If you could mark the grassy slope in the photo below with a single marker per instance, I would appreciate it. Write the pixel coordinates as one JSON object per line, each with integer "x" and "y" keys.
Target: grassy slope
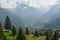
{"x": 8, "y": 37}
{"x": 29, "y": 37}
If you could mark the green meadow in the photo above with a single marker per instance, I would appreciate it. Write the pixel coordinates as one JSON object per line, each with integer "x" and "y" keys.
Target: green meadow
{"x": 28, "y": 37}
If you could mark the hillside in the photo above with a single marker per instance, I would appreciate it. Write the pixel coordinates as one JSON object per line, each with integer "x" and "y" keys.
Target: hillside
{"x": 14, "y": 19}
{"x": 53, "y": 24}
{"x": 52, "y": 17}
{"x": 52, "y": 14}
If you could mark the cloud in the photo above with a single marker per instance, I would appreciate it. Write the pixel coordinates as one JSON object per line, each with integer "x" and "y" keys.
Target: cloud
{"x": 41, "y": 3}
{"x": 58, "y": 2}
{"x": 8, "y": 4}
{"x": 44, "y": 4}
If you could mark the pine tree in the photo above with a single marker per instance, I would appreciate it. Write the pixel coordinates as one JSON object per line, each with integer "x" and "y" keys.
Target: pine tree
{"x": 7, "y": 24}
{"x": 20, "y": 35}
{"x": 49, "y": 35}
{"x": 36, "y": 33}
{"x": 13, "y": 31}
{"x": 2, "y": 37}
{"x": 55, "y": 36}
{"x": 27, "y": 31}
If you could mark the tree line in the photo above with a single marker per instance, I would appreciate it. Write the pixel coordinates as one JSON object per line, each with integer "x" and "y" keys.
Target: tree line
{"x": 20, "y": 34}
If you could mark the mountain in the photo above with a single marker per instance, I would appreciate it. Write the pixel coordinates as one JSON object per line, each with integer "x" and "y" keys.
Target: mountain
{"x": 52, "y": 17}
{"x": 52, "y": 14}
{"x": 14, "y": 19}
{"x": 28, "y": 14}
{"x": 53, "y": 24}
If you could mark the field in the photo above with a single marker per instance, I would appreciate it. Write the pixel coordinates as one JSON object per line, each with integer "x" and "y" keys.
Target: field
{"x": 29, "y": 37}
{"x": 9, "y": 37}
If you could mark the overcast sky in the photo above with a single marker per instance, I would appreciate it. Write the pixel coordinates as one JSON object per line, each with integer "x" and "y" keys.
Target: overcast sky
{"x": 11, "y": 4}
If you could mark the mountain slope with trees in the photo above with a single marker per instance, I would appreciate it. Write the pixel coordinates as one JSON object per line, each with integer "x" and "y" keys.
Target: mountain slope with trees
{"x": 14, "y": 19}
